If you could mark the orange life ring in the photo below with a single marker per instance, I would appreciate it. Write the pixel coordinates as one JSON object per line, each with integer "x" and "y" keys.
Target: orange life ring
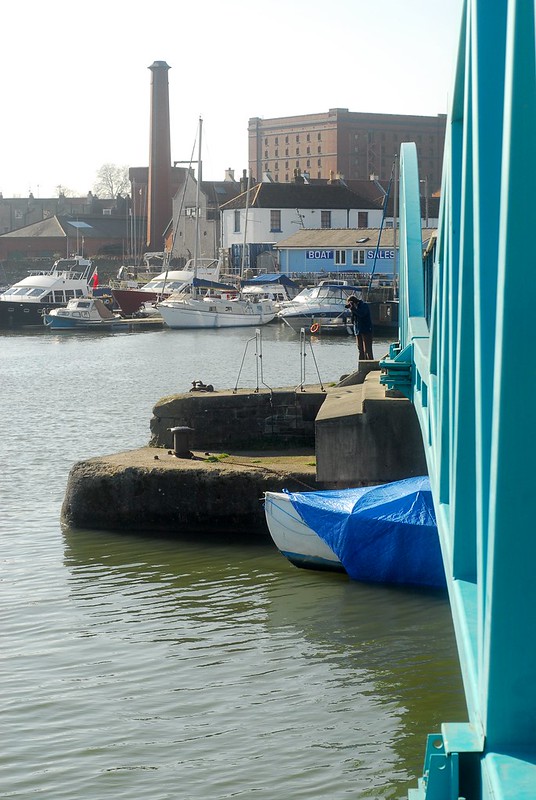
{"x": 315, "y": 327}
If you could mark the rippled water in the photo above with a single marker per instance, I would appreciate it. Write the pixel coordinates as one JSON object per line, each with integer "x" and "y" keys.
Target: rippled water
{"x": 146, "y": 667}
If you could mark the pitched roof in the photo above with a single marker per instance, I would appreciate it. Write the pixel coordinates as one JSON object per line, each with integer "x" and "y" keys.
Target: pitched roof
{"x": 342, "y": 238}
{"x": 220, "y": 192}
{"x": 98, "y": 227}
{"x": 302, "y": 195}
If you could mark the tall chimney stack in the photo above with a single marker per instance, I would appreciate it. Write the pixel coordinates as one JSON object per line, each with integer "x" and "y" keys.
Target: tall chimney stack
{"x": 159, "y": 208}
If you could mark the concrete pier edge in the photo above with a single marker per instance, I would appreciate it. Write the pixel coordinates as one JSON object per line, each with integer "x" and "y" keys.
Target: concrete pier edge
{"x": 349, "y": 435}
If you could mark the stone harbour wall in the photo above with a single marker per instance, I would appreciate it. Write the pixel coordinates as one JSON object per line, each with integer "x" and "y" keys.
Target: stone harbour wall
{"x": 138, "y": 491}
{"x": 244, "y": 419}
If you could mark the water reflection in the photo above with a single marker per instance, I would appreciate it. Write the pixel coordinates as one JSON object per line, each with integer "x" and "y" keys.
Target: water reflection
{"x": 305, "y": 676}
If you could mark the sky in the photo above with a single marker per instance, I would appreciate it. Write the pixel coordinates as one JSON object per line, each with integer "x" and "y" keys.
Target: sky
{"x": 76, "y": 83}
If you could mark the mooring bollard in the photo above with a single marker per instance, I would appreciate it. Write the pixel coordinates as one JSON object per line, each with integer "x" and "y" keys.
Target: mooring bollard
{"x": 181, "y": 441}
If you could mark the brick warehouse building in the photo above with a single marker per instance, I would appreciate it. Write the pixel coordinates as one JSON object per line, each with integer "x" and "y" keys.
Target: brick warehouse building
{"x": 341, "y": 142}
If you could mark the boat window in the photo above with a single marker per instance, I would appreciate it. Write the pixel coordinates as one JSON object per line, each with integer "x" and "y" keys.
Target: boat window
{"x": 84, "y": 304}
{"x": 63, "y": 313}
{"x": 47, "y": 298}
{"x": 78, "y": 292}
{"x": 58, "y": 297}
{"x": 85, "y": 313}
{"x": 35, "y": 292}
{"x": 69, "y": 293}
{"x": 76, "y": 314}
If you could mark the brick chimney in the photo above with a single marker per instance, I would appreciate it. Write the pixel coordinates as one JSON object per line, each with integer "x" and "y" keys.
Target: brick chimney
{"x": 159, "y": 204}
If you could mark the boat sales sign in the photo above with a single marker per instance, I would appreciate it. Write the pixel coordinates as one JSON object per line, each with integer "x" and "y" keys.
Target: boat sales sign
{"x": 382, "y": 254}
{"x": 319, "y": 255}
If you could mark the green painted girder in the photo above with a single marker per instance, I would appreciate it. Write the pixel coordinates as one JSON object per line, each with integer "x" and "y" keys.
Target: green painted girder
{"x": 467, "y": 364}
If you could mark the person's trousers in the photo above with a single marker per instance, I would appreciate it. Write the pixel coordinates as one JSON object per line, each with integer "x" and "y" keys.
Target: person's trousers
{"x": 364, "y": 344}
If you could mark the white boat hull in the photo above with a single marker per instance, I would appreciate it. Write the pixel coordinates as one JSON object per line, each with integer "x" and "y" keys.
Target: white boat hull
{"x": 294, "y": 539}
{"x": 193, "y": 313}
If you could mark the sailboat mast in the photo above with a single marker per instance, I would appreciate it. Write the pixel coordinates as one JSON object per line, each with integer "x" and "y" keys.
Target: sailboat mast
{"x": 244, "y": 245}
{"x": 197, "y": 195}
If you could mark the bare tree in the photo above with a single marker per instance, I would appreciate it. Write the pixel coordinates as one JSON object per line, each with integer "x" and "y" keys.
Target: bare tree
{"x": 63, "y": 191}
{"x": 111, "y": 181}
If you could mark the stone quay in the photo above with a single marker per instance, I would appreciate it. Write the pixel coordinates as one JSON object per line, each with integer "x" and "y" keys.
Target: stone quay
{"x": 236, "y": 445}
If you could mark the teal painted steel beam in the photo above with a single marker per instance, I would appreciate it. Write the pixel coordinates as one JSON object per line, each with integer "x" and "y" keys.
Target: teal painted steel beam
{"x": 467, "y": 365}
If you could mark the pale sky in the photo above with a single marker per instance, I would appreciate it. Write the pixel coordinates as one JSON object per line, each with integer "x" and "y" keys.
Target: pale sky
{"x": 76, "y": 83}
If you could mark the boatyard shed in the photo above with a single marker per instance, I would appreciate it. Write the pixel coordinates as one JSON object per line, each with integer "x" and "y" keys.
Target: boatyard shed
{"x": 65, "y": 235}
{"x": 362, "y": 250}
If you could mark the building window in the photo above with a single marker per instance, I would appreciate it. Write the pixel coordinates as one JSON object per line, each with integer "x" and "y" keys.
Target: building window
{"x": 286, "y": 177}
{"x": 286, "y": 151}
{"x": 276, "y": 153}
{"x": 286, "y": 164}
{"x": 277, "y": 140}
{"x": 298, "y": 138}
{"x": 308, "y": 162}
{"x": 340, "y": 258}
{"x": 358, "y": 258}
{"x": 319, "y": 162}
{"x": 325, "y": 219}
{"x": 266, "y": 167}
{"x": 308, "y": 150}
{"x": 318, "y": 149}
{"x": 297, "y": 164}
{"x": 318, "y": 174}
{"x": 266, "y": 153}
{"x": 286, "y": 139}
{"x": 297, "y": 151}
{"x": 319, "y": 137}
{"x": 308, "y": 137}
{"x": 266, "y": 141}
{"x": 237, "y": 220}
{"x": 275, "y": 220}
{"x": 362, "y": 219}
{"x": 276, "y": 166}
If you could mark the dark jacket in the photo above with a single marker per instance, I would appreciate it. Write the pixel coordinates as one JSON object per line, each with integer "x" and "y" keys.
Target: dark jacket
{"x": 361, "y": 320}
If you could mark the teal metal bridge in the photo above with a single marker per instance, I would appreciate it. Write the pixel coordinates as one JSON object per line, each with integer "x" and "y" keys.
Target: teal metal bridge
{"x": 465, "y": 358}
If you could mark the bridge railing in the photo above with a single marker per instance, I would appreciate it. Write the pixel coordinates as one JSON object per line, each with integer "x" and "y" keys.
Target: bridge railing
{"x": 465, "y": 358}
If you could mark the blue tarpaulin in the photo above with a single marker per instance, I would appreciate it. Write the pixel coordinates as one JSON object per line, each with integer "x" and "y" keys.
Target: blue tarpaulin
{"x": 384, "y": 534}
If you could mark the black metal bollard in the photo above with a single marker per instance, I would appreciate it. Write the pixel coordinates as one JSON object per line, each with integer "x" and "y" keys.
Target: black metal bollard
{"x": 181, "y": 441}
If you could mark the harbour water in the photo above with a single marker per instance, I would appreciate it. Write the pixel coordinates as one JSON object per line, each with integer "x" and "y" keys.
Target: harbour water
{"x": 139, "y": 666}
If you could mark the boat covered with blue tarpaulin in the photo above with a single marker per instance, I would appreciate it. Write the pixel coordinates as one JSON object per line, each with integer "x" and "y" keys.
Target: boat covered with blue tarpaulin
{"x": 383, "y": 534}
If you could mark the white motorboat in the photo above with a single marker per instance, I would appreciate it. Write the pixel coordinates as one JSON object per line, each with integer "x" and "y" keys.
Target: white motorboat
{"x": 378, "y": 534}
{"x": 130, "y": 300}
{"x": 318, "y": 305}
{"x": 278, "y": 288}
{"x": 221, "y": 307}
{"x": 87, "y": 313}
{"x": 23, "y": 304}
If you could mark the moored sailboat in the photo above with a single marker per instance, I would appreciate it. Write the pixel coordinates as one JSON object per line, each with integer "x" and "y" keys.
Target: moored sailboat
{"x": 222, "y": 306}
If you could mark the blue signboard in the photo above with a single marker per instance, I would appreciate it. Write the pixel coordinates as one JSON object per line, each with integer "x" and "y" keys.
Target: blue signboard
{"x": 319, "y": 255}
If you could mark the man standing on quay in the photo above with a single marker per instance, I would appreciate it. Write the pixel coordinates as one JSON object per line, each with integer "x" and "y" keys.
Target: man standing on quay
{"x": 362, "y": 325}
